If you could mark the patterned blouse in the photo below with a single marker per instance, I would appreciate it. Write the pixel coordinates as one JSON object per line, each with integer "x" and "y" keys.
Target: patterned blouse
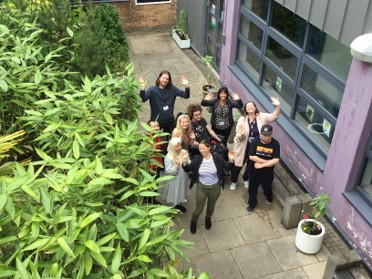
{"x": 222, "y": 117}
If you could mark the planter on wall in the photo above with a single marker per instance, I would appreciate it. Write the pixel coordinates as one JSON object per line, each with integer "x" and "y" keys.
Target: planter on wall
{"x": 181, "y": 43}
{"x": 307, "y": 243}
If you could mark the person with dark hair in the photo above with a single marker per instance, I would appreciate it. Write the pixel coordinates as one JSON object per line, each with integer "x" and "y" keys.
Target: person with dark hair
{"x": 207, "y": 172}
{"x": 247, "y": 129}
{"x": 264, "y": 153}
{"x": 222, "y": 119}
{"x": 162, "y": 97}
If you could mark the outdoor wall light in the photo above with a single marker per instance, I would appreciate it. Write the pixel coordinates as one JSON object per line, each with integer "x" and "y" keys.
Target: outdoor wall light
{"x": 361, "y": 48}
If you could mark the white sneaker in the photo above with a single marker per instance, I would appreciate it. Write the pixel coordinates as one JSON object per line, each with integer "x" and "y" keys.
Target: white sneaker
{"x": 246, "y": 184}
{"x": 233, "y": 186}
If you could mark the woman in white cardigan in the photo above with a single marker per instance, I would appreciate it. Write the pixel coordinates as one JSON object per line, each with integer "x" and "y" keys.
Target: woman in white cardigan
{"x": 248, "y": 128}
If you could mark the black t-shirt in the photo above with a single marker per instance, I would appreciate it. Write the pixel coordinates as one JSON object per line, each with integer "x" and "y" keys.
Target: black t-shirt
{"x": 200, "y": 129}
{"x": 267, "y": 151}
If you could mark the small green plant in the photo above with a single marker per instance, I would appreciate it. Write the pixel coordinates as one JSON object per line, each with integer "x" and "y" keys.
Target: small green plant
{"x": 181, "y": 27}
{"x": 207, "y": 60}
{"x": 319, "y": 205}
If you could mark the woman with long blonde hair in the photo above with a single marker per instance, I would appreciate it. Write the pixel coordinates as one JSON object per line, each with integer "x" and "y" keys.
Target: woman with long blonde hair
{"x": 184, "y": 131}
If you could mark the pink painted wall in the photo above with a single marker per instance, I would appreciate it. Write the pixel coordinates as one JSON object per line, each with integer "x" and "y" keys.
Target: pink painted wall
{"x": 352, "y": 131}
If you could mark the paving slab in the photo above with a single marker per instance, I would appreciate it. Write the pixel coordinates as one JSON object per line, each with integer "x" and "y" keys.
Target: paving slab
{"x": 296, "y": 273}
{"x": 220, "y": 265}
{"x": 315, "y": 271}
{"x": 255, "y": 260}
{"x": 287, "y": 255}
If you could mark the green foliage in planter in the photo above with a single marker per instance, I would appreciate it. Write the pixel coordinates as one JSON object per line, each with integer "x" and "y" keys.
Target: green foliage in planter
{"x": 181, "y": 26}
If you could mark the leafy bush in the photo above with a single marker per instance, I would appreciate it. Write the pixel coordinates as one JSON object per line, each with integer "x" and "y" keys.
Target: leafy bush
{"x": 77, "y": 210}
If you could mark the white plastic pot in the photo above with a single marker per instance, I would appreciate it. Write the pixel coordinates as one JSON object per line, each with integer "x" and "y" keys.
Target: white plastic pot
{"x": 306, "y": 243}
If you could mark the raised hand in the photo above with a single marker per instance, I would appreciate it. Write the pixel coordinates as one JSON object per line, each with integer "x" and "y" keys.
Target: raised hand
{"x": 209, "y": 96}
{"x": 275, "y": 101}
{"x": 235, "y": 96}
{"x": 184, "y": 81}
{"x": 142, "y": 82}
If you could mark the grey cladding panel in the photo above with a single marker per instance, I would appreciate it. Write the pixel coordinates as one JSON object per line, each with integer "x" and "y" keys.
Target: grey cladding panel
{"x": 367, "y": 28}
{"x": 318, "y": 12}
{"x": 352, "y": 28}
{"x": 290, "y": 4}
{"x": 303, "y": 9}
{"x": 333, "y": 23}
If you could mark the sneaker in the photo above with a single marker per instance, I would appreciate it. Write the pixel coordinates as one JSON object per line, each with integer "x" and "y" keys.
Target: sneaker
{"x": 250, "y": 208}
{"x": 233, "y": 186}
{"x": 181, "y": 208}
{"x": 269, "y": 201}
{"x": 246, "y": 184}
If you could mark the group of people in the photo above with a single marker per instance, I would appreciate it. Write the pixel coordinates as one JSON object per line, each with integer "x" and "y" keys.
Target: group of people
{"x": 196, "y": 148}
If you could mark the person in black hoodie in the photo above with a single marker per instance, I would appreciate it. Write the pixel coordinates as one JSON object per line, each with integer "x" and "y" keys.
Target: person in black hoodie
{"x": 207, "y": 172}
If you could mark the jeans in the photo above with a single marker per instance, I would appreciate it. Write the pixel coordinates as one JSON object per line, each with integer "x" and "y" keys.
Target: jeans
{"x": 204, "y": 193}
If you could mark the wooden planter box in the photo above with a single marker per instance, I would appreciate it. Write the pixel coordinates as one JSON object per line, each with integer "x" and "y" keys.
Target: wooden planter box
{"x": 181, "y": 43}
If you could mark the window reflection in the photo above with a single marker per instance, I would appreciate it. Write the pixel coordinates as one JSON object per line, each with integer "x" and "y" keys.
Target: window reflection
{"x": 249, "y": 60}
{"x": 274, "y": 85}
{"x": 328, "y": 51}
{"x": 251, "y": 32}
{"x": 259, "y": 7}
{"x": 321, "y": 90}
{"x": 315, "y": 125}
{"x": 289, "y": 24}
{"x": 366, "y": 182}
{"x": 280, "y": 56}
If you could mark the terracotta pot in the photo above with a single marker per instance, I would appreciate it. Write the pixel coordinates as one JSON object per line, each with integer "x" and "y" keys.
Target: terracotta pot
{"x": 307, "y": 243}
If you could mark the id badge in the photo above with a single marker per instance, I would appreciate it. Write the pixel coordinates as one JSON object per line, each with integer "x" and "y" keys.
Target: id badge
{"x": 165, "y": 108}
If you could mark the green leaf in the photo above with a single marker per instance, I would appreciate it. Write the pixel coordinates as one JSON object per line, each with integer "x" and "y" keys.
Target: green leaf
{"x": 89, "y": 219}
{"x": 159, "y": 209}
{"x": 92, "y": 246}
{"x": 144, "y": 238}
{"x": 7, "y": 239}
{"x": 76, "y": 149}
{"x": 3, "y": 85}
{"x": 22, "y": 270}
{"x": 36, "y": 244}
{"x": 116, "y": 259}
{"x": 123, "y": 231}
{"x": 65, "y": 246}
{"x": 100, "y": 259}
{"x": 69, "y": 32}
{"x": 88, "y": 260}
{"x": 144, "y": 258}
{"x": 3, "y": 198}
{"x": 37, "y": 77}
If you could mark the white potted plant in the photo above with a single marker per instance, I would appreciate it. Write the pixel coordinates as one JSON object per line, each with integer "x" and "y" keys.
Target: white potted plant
{"x": 310, "y": 231}
{"x": 179, "y": 31}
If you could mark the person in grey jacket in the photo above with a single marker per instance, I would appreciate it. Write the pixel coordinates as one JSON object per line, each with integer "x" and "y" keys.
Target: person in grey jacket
{"x": 222, "y": 119}
{"x": 162, "y": 97}
{"x": 207, "y": 172}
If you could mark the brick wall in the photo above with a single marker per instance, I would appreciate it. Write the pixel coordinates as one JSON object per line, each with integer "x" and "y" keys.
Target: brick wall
{"x": 146, "y": 17}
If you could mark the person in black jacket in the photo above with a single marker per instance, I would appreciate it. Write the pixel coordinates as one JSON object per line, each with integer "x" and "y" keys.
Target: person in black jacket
{"x": 162, "y": 97}
{"x": 207, "y": 172}
{"x": 222, "y": 119}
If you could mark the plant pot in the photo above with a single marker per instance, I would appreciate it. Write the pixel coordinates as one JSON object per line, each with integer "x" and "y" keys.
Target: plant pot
{"x": 181, "y": 43}
{"x": 307, "y": 243}
{"x": 208, "y": 88}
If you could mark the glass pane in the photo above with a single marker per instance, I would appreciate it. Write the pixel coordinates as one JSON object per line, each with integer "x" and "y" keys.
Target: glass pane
{"x": 212, "y": 26}
{"x": 289, "y": 24}
{"x": 250, "y": 60}
{"x": 328, "y": 51}
{"x": 280, "y": 56}
{"x": 321, "y": 90}
{"x": 366, "y": 182}
{"x": 211, "y": 47}
{"x": 259, "y": 7}
{"x": 251, "y": 32}
{"x": 318, "y": 128}
{"x": 276, "y": 86}
{"x": 220, "y": 33}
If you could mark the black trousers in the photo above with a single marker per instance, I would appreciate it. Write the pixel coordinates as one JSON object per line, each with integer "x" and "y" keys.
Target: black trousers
{"x": 254, "y": 182}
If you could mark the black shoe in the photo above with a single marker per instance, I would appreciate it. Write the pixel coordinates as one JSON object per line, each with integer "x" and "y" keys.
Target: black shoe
{"x": 269, "y": 201}
{"x": 181, "y": 208}
{"x": 193, "y": 227}
{"x": 208, "y": 223}
{"x": 250, "y": 208}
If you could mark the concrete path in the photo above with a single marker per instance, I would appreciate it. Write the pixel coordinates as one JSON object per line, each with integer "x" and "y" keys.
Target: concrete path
{"x": 239, "y": 245}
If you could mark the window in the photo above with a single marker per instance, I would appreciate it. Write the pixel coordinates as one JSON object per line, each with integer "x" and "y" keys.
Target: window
{"x": 366, "y": 177}
{"x": 285, "y": 56}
